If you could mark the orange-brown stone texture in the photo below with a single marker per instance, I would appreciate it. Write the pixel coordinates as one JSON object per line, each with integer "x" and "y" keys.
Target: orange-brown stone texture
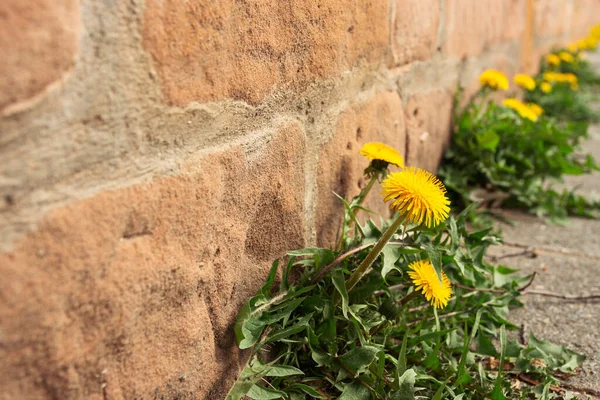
{"x": 428, "y": 119}
{"x": 158, "y": 155}
{"x": 134, "y": 291}
{"x": 39, "y": 41}
{"x": 414, "y": 30}
{"x": 210, "y": 50}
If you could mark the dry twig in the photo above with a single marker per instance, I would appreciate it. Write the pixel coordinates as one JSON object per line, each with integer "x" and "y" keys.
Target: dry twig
{"x": 561, "y": 296}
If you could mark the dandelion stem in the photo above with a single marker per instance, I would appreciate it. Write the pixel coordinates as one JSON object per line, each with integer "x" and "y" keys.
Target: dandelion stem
{"x": 484, "y": 96}
{"x": 367, "y": 189}
{"x": 408, "y": 297}
{"x": 373, "y": 254}
{"x": 347, "y": 221}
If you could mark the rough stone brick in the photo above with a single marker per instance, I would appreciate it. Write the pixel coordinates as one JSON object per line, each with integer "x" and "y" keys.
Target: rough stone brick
{"x": 473, "y": 25}
{"x": 414, "y": 30}
{"x": 379, "y": 119}
{"x": 428, "y": 119}
{"x": 547, "y": 11}
{"x": 39, "y": 43}
{"x": 469, "y": 26}
{"x": 132, "y": 293}
{"x": 515, "y": 19}
{"x": 208, "y": 50}
{"x": 585, "y": 14}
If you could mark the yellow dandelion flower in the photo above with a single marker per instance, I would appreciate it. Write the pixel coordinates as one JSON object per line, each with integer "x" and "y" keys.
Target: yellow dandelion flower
{"x": 572, "y": 79}
{"x": 595, "y": 31}
{"x": 525, "y": 81}
{"x": 427, "y": 281}
{"x": 588, "y": 43}
{"x": 535, "y": 108}
{"x": 417, "y": 195}
{"x": 493, "y": 79}
{"x": 553, "y": 59}
{"x": 521, "y": 108}
{"x": 561, "y": 77}
{"x": 572, "y": 47}
{"x": 382, "y": 152}
{"x": 566, "y": 57}
{"x": 546, "y": 87}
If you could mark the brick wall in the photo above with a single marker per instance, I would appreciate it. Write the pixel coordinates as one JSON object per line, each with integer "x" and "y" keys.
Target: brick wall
{"x": 157, "y": 155}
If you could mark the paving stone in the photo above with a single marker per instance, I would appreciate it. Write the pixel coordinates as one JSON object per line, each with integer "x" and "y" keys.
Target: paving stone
{"x": 565, "y": 259}
{"x": 571, "y": 323}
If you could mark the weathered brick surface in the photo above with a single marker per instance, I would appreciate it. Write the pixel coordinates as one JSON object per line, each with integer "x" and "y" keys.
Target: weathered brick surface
{"x": 585, "y": 14}
{"x": 428, "y": 118}
{"x": 379, "y": 119}
{"x": 470, "y": 25}
{"x": 414, "y": 30}
{"x": 548, "y": 10}
{"x": 515, "y": 14}
{"x": 132, "y": 293}
{"x": 473, "y": 25}
{"x": 115, "y": 289}
{"x": 209, "y": 50}
{"x": 38, "y": 40}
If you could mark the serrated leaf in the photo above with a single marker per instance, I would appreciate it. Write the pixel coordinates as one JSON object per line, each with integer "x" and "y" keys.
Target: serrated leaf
{"x": 402, "y": 356}
{"x": 317, "y": 257}
{"x": 266, "y": 288}
{"x": 248, "y": 327}
{"x": 291, "y": 330}
{"x": 555, "y": 356}
{"x": 355, "y": 391}
{"x": 485, "y": 346}
{"x": 243, "y": 315}
{"x": 321, "y": 357}
{"x": 462, "y": 375}
{"x": 380, "y": 367}
{"x": 453, "y": 230}
{"x": 328, "y": 329}
{"x": 504, "y": 275}
{"x": 257, "y": 392}
{"x": 479, "y": 235}
{"x": 285, "y": 284}
{"x": 283, "y": 370}
{"x": 282, "y": 311}
{"x": 349, "y": 212}
{"x": 391, "y": 254}
{"x": 438, "y": 394}
{"x": 497, "y": 392}
{"x": 339, "y": 282}
{"x": 432, "y": 361}
{"x": 406, "y": 386}
{"x": 488, "y": 140}
{"x": 546, "y": 392}
{"x": 248, "y": 377}
{"x": 409, "y": 250}
{"x": 435, "y": 257}
{"x": 359, "y": 358}
{"x": 429, "y": 336}
{"x": 309, "y": 390}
